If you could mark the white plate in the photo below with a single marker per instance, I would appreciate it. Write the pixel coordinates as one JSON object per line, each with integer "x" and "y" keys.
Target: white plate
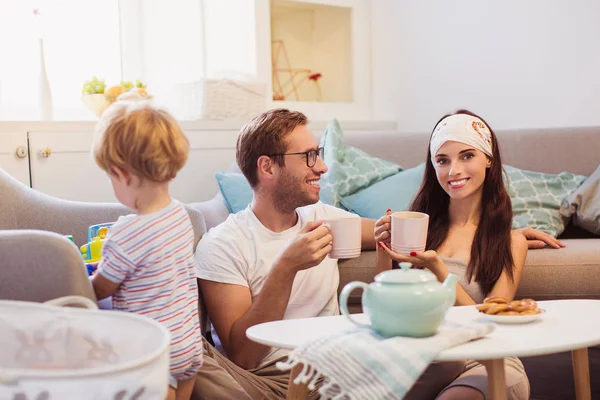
{"x": 512, "y": 319}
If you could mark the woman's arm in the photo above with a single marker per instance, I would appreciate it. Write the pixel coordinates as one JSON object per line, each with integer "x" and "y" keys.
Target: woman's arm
{"x": 381, "y": 234}
{"x": 505, "y": 287}
{"x": 384, "y": 262}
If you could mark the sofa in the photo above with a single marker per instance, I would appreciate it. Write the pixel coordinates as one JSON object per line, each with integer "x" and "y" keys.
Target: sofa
{"x": 571, "y": 272}
{"x": 38, "y": 264}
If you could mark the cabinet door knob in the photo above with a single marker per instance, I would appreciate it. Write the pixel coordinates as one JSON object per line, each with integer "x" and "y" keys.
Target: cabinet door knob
{"x": 21, "y": 152}
{"x": 45, "y": 152}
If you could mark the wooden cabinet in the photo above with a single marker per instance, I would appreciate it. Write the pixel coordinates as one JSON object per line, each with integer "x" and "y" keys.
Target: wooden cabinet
{"x": 14, "y": 154}
{"x": 62, "y": 166}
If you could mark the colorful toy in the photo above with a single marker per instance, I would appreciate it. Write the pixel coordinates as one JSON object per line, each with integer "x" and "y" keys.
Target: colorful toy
{"x": 97, "y": 230}
{"x": 92, "y": 250}
{"x": 91, "y": 269}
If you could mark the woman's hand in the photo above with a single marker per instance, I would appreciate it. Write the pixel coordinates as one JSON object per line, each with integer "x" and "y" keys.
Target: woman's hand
{"x": 538, "y": 239}
{"x": 426, "y": 259}
{"x": 383, "y": 229}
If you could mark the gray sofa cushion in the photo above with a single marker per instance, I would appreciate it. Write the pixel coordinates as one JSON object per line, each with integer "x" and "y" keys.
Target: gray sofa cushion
{"x": 214, "y": 210}
{"x": 41, "y": 266}
{"x": 571, "y": 272}
{"x": 25, "y": 208}
{"x": 583, "y": 204}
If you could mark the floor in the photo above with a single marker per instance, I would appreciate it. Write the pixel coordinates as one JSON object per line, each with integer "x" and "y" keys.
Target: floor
{"x": 551, "y": 377}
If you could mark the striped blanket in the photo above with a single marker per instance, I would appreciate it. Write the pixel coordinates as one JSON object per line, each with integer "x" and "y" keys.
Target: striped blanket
{"x": 360, "y": 364}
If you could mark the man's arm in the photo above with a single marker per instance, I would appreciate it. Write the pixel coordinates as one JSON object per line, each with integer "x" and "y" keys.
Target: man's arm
{"x": 367, "y": 235}
{"x": 232, "y": 310}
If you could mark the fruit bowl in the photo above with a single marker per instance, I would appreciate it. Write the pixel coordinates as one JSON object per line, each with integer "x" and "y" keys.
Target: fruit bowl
{"x": 96, "y": 103}
{"x": 96, "y": 96}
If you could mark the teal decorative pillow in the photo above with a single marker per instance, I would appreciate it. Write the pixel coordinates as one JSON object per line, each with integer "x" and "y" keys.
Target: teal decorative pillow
{"x": 394, "y": 192}
{"x": 235, "y": 189}
{"x": 537, "y": 197}
{"x": 350, "y": 169}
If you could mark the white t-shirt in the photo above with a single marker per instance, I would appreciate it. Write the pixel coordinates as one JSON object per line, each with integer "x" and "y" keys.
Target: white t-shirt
{"x": 241, "y": 251}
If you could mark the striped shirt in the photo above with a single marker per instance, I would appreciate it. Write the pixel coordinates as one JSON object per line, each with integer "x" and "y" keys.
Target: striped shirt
{"x": 151, "y": 257}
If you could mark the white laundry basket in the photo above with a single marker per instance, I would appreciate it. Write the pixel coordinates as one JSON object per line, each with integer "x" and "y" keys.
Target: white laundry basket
{"x": 51, "y": 353}
{"x": 219, "y": 99}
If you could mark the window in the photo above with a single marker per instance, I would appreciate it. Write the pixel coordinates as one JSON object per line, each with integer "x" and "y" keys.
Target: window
{"x": 158, "y": 41}
{"x": 80, "y": 39}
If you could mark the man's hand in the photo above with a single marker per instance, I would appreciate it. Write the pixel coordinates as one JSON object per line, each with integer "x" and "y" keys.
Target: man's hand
{"x": 309, "y": 247}
{"x": 538, "y": 240}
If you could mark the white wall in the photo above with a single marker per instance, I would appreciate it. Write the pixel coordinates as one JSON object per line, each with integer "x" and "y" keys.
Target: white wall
{"x": 517, "y": 63}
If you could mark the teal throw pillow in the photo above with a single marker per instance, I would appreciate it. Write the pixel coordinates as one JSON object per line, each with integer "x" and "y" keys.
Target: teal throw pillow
{"x": 394, "y": 192}
{"x": 537, "y": 197}
{"x": 235, "y": 190}
{"x": 350, "y": 169}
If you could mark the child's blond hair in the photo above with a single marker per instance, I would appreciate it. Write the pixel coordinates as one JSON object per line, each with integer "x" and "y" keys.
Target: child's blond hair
{"x": 141, "y": 139}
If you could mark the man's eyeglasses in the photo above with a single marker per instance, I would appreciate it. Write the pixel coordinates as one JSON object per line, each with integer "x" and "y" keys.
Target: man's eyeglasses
{"x": 311, "y": 156}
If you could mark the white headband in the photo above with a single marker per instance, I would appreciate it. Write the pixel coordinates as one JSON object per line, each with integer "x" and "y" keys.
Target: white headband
{"x": 462, "y": 128}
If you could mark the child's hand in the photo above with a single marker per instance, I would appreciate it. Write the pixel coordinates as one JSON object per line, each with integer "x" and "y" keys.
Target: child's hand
{"x": 92, "y": 267}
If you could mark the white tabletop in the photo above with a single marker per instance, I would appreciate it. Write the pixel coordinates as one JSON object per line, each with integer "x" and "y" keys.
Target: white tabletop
{"x": 566, "y": 325}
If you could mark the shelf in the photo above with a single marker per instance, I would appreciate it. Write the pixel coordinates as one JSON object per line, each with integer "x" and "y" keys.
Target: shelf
{"x": 311, "y": 50}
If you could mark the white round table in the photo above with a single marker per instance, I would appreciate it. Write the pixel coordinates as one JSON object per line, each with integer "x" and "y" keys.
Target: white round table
{"x": 567, "y": 325}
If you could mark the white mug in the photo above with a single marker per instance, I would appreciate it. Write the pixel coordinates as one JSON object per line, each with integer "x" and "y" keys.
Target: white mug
{"x": 346, "y": 233}
{"x": 409, "y": 231}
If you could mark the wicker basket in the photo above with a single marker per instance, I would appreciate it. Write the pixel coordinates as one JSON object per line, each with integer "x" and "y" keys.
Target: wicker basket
{"x": 221, "y": 99}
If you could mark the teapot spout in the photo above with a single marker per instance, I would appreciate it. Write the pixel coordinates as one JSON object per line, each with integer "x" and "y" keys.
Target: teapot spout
{"x": 450, "y": 284}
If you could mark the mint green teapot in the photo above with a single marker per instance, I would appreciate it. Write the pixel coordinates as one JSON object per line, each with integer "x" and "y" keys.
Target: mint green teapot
{"x": 403, "y": 302}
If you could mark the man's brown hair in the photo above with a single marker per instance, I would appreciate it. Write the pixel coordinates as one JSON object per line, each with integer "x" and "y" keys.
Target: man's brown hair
{"x": 265, "y": 136}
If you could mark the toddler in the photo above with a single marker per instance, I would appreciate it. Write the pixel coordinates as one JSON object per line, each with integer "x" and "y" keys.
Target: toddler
{"x": 147, "y": 261}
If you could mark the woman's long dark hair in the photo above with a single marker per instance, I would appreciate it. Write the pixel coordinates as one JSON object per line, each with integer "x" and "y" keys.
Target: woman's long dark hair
{"x": 491, "y": 248}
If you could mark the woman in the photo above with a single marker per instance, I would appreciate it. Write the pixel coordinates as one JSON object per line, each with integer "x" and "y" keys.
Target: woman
{"x": 469, "y": 233}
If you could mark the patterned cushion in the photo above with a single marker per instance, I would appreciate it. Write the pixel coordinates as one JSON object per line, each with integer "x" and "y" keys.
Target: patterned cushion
{"x": 350, "y": 169}
{"x": 537, "y": 197}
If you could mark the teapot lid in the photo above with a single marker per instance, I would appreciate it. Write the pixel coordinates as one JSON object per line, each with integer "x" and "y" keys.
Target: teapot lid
{"x": 405, "y": 275}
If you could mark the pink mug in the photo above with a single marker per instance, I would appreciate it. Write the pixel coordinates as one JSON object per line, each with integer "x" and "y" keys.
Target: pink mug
{"x": 409, "y": 231}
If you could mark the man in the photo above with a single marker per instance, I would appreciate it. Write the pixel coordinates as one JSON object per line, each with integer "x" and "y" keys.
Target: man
{"x": 269, "y": 262}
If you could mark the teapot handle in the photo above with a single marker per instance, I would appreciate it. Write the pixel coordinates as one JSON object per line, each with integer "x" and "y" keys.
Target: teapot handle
{"x": 344, "y": 301}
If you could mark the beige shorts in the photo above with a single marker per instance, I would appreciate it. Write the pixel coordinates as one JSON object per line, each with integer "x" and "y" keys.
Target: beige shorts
{"x": 220, "y": 379}
{"x": 475, "y": 376}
